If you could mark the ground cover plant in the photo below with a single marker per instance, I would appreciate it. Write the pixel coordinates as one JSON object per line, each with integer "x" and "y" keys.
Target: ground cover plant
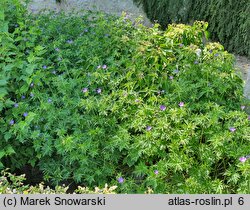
{"x": 96, "y": 99}
{"x": 13, "y": 184}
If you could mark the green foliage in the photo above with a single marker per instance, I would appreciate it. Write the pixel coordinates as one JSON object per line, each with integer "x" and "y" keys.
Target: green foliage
{"x": 166, "y": 11}
{"x": 12, "y": 18}
{"x": 96, "y": 99}
{"x": 13, "y": 184}
{"x": 229, "y": 21}
{"x": 15, "y": 68}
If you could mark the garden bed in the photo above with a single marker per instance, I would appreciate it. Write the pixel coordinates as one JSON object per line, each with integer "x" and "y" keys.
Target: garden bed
{"x": 95, "y": 99}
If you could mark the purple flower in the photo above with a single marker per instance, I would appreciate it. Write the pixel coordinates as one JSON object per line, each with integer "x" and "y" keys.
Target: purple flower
{"x": 181, "y": 45}
{"x": 57, "y": 49}
{"x": 181, "y": 104}
{"x": 86, "y": 30}
{"x": 242, "y": 159}
{"x": 104, "y": 66}
{"x": 210, "y": 51}
{"x": 16, "y": 105}
{"x": 12, "y": 122}
{"x": 44, "y": 67}
{"x": 242, "y": 107}
{"x": 25, "y": 114}
{"x": 149, "y": 128}
{"x": 85, "y": 90}
{"x": 49, "y": 100}
{"x": 137, "y": 100}
{"x": 196, "y": 62}
{"x": 176, "y": 71}
{"x": 232, "y": 129}
{"x": 171, "y": 77}
{"x": 23, "y": 97}
{"x": 216, "y": 55}
{"x": 156, "y": 172}
{"x": 69, "y": 41}
{"x": 99, "y": 90}
{"x": 120, "y": 180}
{"x": 162, "y": 107}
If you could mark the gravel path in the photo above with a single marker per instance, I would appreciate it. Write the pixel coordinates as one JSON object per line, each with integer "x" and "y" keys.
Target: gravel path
{"x": 243, "y": 65}
{"x": 117, "y": 7}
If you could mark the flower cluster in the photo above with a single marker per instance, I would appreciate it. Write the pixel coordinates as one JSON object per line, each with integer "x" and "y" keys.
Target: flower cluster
{"x": 85, "y": 90}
